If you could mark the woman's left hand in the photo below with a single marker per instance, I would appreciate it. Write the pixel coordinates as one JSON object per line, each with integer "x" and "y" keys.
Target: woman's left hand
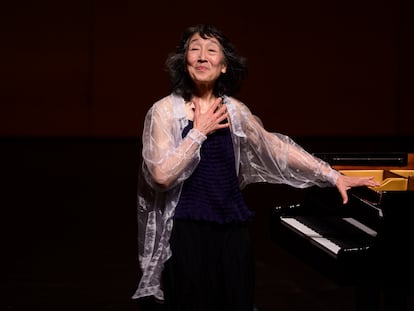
{"x": 345, "y": 183}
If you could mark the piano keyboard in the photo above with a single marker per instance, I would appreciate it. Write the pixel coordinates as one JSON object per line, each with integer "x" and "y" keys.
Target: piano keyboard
{"x": 331, "y": 235}
{"x": 310, "y": 233}
{"x": 361, "y": 226}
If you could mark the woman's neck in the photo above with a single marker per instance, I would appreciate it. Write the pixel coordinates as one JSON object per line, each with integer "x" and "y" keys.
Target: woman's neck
{"x": 204, "y": 101}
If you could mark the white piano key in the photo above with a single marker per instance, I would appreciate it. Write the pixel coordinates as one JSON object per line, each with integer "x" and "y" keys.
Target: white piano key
{"x": 360, "y": 226}
{"x": 334, "y": 248}
{"x": 300, "y": 226}
{"x": 322, "y": 242}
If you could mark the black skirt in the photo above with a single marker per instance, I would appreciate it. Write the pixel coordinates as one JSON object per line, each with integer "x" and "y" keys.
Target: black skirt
{"x": 211, "y": 268}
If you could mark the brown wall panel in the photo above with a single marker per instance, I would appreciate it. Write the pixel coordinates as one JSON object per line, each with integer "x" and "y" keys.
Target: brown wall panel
{"x": 93, "y": 68}
{"x": 405, "y": 107}
{"x": 131, "y": 44}
{"x": 324, "y": 68}
{"x": 44, "y": 68}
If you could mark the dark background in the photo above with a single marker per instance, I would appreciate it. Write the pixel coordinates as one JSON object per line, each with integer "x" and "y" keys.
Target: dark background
{"x": 76, "y": 78}
{"x": 317, "y": 68}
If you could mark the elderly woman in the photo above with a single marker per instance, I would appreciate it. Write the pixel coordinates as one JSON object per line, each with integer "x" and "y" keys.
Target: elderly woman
{"x": 201, "y": 147}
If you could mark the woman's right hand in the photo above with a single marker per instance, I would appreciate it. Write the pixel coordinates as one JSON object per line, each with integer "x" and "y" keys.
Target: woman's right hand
{"x": 211, "y": 120}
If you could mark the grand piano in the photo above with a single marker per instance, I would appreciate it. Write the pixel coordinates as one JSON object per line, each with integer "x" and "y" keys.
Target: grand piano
{"x": 367, "y": 243}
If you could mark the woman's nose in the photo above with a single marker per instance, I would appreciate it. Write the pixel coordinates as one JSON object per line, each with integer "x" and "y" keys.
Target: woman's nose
{"x": 201, "y": 57}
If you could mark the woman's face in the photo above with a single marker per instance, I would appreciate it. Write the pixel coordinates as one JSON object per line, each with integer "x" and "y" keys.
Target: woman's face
{"x": 205, "y": 60}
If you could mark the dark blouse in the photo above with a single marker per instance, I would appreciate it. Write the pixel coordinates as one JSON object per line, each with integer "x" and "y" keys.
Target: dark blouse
{"x": 212, "y": 192}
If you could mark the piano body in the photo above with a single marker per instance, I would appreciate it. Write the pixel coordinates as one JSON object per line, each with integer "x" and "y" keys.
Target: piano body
{"x": 367, "y": 243}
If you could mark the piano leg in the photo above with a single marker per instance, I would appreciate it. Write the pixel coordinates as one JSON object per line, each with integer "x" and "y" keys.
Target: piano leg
{"x": 370, "y": 296}
{"x": 395, "y": 298}
{"x": 367, "y": 296}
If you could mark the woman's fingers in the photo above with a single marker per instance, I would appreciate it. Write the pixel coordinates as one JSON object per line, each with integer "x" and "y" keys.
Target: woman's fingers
{"x": 211, "y": 120}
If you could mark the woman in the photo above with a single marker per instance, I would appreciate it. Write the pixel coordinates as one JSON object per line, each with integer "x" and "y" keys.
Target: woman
{"x": 201, "y": 146}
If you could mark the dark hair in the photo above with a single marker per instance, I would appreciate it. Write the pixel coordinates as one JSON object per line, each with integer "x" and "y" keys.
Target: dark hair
{"x": 227, "y": 84}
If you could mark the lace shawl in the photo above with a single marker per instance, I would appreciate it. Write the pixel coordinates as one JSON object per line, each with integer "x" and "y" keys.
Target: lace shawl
{"x": 261, "y": 156}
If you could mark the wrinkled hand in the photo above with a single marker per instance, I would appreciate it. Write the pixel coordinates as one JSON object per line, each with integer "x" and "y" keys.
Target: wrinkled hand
{"x": 210, "y": 121}
{"x": 345, "y": 183}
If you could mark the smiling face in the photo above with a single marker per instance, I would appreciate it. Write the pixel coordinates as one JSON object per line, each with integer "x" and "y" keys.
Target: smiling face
{"x": 205, "y": 60}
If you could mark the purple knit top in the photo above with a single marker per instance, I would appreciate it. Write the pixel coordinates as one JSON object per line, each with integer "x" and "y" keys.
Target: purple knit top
{"x": 212, "y": 192}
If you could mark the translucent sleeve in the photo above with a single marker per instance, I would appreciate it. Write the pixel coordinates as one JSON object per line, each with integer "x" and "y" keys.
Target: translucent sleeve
{"x": 168, "y": 158}
{"x": 276, "y": 158}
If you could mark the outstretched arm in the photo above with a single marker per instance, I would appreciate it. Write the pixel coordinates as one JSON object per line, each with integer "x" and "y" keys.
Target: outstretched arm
{"x": 344, "y": 183}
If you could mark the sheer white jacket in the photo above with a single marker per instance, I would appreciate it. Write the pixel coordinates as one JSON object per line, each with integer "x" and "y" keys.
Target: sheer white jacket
{"x": 260, "y": 156}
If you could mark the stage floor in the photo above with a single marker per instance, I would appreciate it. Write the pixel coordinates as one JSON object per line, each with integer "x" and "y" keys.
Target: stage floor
{"x": 68, "y": 234}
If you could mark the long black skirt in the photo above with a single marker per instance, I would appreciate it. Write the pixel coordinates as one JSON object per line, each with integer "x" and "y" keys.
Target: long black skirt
{"x": 211, "y": 268}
